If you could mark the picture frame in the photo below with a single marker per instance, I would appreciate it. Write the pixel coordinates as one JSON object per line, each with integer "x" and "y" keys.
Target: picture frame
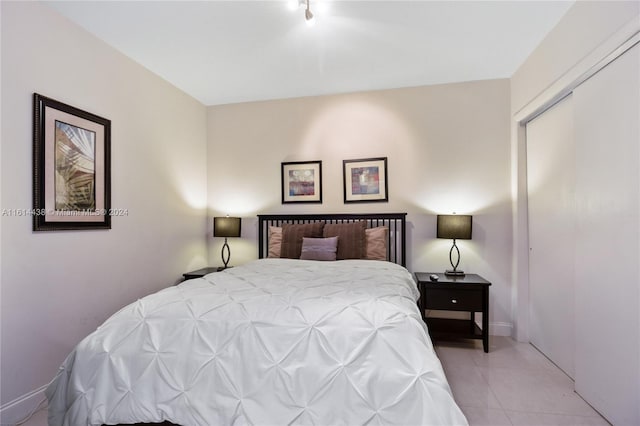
{"x": 71, "y": 167}
{"x": 301, "y": 182}
{"x": 365, "y": 180}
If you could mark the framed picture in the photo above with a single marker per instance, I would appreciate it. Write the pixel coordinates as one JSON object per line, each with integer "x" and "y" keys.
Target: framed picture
{"x": 365, "y": 180}
{"x": 302, "y": 182}
{"x": 71, "y": 167}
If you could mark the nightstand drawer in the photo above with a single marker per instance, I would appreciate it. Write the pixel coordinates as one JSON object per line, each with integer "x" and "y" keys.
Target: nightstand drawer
{"x": 454, "y": 300}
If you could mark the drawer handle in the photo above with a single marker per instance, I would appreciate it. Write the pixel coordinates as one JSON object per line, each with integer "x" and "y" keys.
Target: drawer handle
{"x": 454, "y": 301}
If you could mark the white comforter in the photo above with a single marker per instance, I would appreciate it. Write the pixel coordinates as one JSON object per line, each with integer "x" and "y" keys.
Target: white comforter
{"x": 274, "y": 342}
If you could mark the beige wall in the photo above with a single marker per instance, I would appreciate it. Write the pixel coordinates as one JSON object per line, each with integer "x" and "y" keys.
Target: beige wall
{"x": 447, "y": 149}
{"x": 57, "y": 287}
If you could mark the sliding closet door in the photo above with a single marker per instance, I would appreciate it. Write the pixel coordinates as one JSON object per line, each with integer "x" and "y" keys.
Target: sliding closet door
{"x": 550, "y": 186}
{"x": 607, "y": 123}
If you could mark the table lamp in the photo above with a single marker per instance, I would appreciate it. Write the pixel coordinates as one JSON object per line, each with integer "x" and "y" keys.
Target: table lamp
{"x": 226, "y": 227}
{"x": 455, "y": 227}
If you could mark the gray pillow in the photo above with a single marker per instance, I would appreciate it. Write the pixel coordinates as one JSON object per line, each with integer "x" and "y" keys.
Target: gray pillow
{"x": 319, "y": 248}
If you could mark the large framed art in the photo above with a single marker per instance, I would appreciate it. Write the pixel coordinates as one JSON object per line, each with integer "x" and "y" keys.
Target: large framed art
{"x": 365, "y": 180}
{"x": 71, "y": 167}
{"x": 302, "y": 182}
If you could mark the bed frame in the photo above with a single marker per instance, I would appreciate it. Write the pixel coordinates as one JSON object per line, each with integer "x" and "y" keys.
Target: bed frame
{"x": 396, "y": 222}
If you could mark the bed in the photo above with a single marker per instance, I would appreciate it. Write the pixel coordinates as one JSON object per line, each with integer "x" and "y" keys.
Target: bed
{"x": 276, "y": 341}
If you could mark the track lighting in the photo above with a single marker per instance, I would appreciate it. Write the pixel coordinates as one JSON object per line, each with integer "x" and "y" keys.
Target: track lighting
{"x": 308, "y": 16}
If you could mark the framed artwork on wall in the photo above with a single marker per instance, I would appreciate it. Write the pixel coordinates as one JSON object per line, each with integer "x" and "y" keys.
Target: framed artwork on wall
{"x": 302, "y": 182}
{"x": 365, "y": 180}
{"x": 71, "y": 167}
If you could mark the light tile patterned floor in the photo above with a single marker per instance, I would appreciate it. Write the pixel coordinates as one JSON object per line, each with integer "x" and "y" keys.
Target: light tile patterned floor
{"x": 513, "y": 384}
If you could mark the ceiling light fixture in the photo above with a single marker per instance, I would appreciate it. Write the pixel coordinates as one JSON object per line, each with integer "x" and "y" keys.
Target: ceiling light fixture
{"x": 308, "y": 16}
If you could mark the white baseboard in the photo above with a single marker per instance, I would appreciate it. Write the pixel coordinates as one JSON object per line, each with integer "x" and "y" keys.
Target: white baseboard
{"x": 500, "y": 329}
{"x": 18, "y": 409}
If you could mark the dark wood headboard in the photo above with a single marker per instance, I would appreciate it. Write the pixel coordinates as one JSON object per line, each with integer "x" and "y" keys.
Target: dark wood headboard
{"x": 396, "y": 222}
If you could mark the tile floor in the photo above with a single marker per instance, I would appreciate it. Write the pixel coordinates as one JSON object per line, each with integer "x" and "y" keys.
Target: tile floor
{"x": 513, "y": 384}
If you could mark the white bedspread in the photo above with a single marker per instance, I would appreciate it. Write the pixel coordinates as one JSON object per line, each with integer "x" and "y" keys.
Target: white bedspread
{"x": 274, "y": 342}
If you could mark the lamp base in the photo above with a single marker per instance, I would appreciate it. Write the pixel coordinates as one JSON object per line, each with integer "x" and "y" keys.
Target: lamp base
{"x": 454, "y": 273}
{"x": 226, "y": 253}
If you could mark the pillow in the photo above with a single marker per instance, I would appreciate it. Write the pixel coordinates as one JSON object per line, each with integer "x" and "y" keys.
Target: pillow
{"x": 292, "y": 235}
{"x": 376, "y": 243}
{"x": 351, "y": 239}
{"x": 319, "y": 248}
{"x": 275, "y": 241}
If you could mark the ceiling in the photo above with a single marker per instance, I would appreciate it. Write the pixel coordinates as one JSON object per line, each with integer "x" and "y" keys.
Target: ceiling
{"x": 223, "y": 52}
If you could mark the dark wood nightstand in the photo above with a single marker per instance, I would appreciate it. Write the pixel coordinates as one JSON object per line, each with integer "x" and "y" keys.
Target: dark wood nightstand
{"x": 468, "y": 293}
{"x": 202, "y": 272}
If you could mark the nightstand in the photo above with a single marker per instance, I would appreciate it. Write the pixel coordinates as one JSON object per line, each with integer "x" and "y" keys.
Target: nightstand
{"x": 202, "y": 272}
{"x": 467, "y": 293}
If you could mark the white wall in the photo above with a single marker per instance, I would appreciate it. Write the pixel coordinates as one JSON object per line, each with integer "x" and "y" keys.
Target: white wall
{"x": 57, "y": 287}
{"x": 585, "y": 26}
{"x": 447, "y": 149}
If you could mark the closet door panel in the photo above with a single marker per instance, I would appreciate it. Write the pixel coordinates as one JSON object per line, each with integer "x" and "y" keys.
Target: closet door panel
{"x": 607, "y": 119}
{"x": 551, "y": 190}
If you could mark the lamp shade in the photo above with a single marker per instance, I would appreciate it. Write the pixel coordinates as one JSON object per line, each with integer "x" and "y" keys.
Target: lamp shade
{"x": 454, "y": 226}
{"x": 226, "y": 226}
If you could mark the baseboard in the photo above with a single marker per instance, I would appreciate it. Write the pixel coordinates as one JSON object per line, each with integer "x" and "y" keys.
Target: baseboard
{"x": 500, "y": 329}
{"x": 18, "y": 409}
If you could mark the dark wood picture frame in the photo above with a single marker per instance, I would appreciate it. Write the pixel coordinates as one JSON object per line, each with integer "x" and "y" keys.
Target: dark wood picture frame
{"x": 301, "y": 182}
{"x": 372, "y": 185}
{"x": 71, "y": 167}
